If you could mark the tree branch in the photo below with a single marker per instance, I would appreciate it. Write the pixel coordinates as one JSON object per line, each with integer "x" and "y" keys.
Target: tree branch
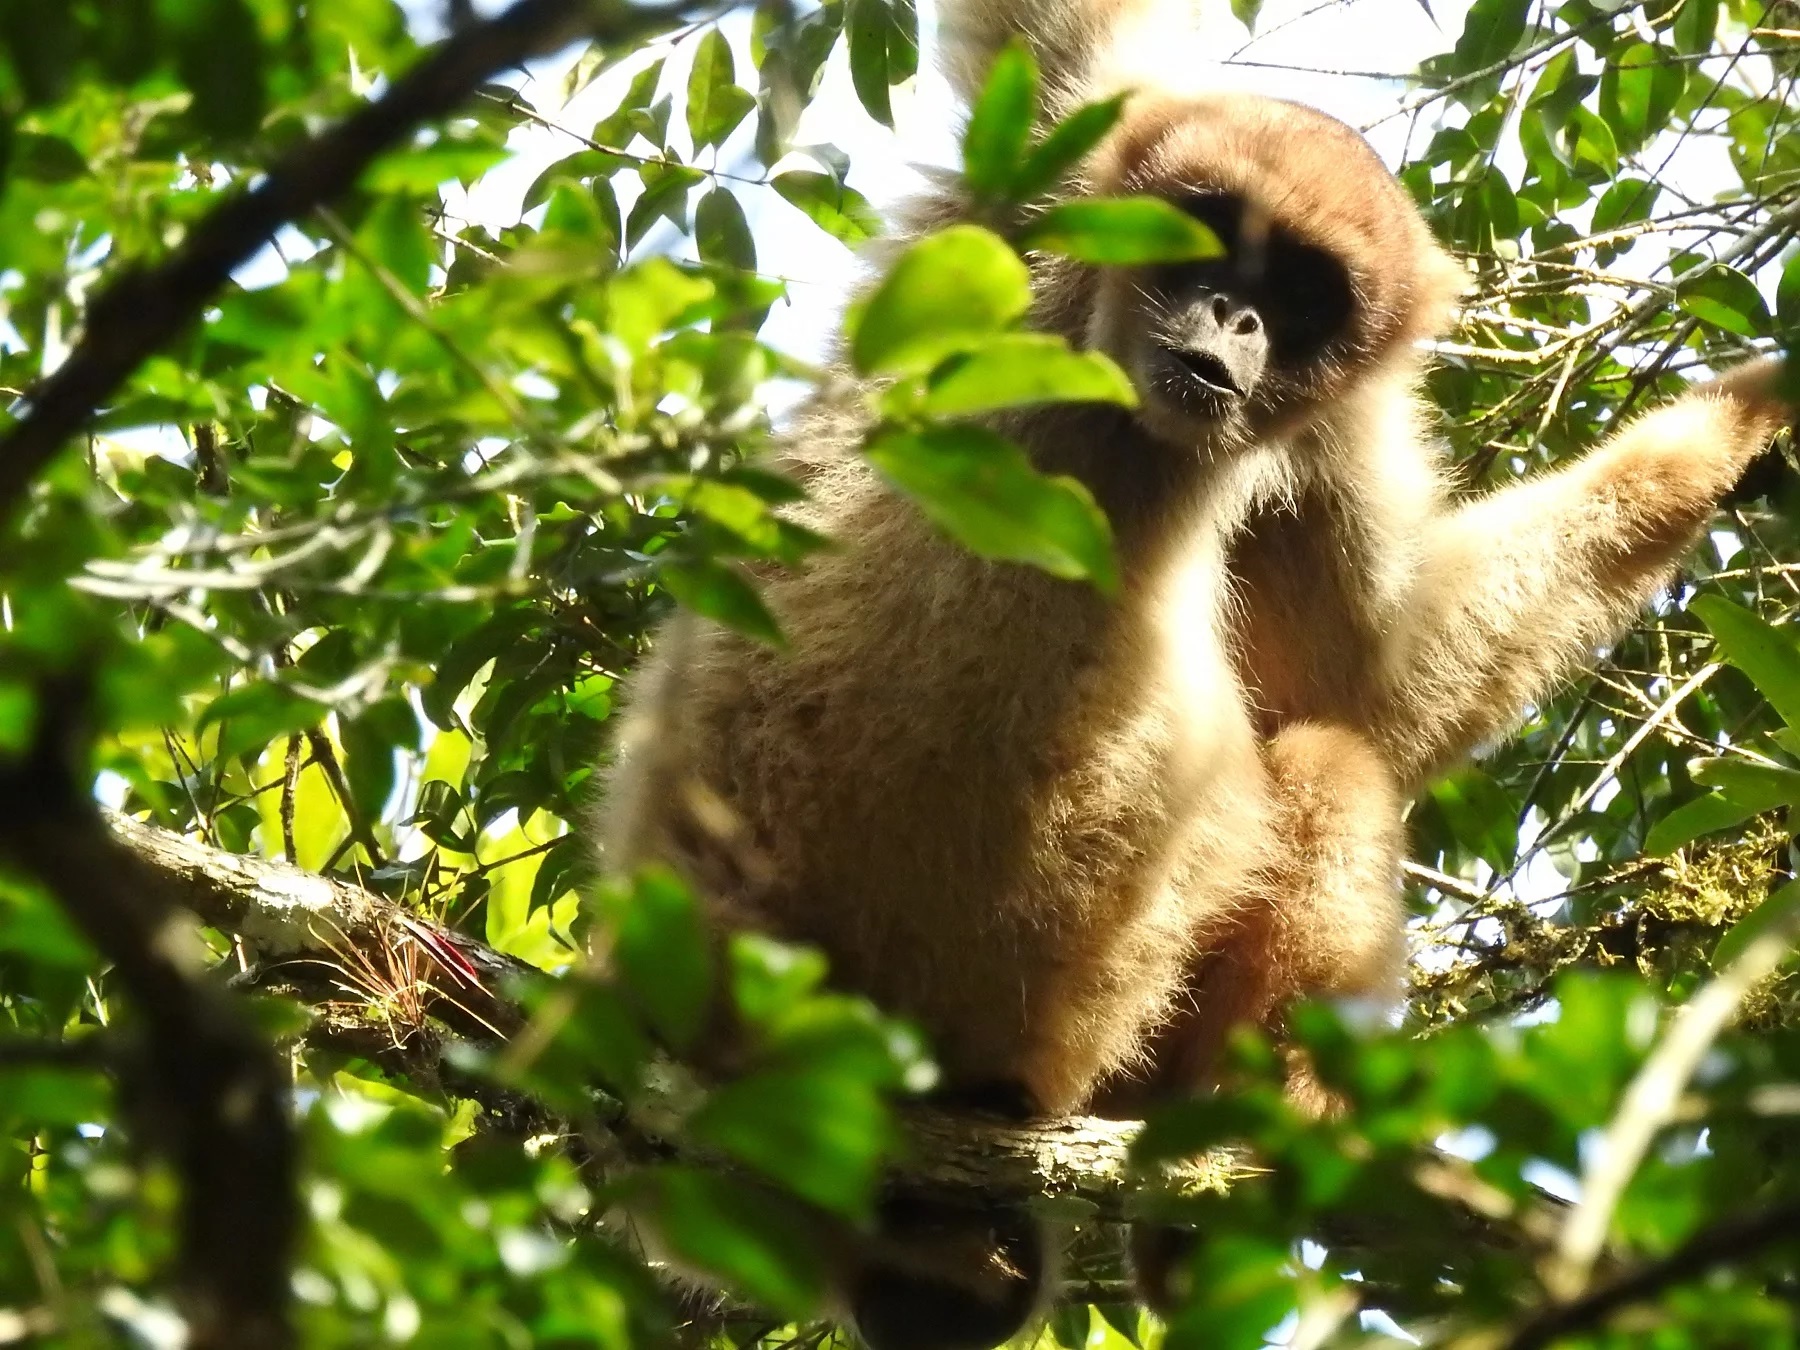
{"x": 210, "y": 1093}
{"x": 144, "y": 309}
{"x": 284, "y": 914}
{"x": 1732, "y": 1240}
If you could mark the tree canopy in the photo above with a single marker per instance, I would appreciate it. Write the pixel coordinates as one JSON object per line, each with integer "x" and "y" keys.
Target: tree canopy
{"x": 331, "y": 522}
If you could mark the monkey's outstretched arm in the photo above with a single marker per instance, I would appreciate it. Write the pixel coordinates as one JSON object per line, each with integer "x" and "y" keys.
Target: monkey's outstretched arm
{"x": 1518, "y": 588}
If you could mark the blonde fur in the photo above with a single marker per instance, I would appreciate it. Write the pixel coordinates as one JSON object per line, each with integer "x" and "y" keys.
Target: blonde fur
{"x": 1076, "y": 838}
{"x": 1034, "y": 819}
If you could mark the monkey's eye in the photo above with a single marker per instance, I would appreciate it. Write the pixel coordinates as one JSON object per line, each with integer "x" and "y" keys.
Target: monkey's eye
{"x": 1219, "y": 212}
{"x": 1308, "y": 301}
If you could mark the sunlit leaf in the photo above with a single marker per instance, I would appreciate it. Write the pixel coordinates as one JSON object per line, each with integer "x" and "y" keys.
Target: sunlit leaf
{"x": 1725, "y": 298}
{"x": 947, "y": 292}
{"x": 1122, "y": 231}
{"x": 715, "y": 103}
{"x": 1023, "y": 368}
{"x": 1068, "y": 142}
{"x": 982, "y": 490}
{"x": 1001, "y": 121}
{"x": 721, "y": 593}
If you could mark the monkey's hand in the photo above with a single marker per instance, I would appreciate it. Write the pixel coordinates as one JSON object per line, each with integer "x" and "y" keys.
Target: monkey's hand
{"x": 1767, "y": 387}
{"x": 1763, "y": 387}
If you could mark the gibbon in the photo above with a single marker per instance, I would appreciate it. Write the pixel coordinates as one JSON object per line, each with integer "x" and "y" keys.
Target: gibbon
{"x": 1077, "y": 838}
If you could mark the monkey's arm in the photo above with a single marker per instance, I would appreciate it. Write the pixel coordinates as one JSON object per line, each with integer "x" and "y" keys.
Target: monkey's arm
{"x": 1518, "y": 588}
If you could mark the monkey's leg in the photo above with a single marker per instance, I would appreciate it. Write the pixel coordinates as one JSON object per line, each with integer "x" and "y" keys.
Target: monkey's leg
{"x": 1517, "y": 588}
{"x": 1322, "y": 916}
{"x": 1326, "y": 919}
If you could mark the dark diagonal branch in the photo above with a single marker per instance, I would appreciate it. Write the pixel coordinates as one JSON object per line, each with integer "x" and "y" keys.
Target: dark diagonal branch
{"x": 207, "y": 1091}
{"x": 1734, "y": 1240}
{"x": 144, "y": 309}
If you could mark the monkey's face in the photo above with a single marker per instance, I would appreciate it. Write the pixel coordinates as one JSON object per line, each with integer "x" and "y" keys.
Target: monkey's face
{"x": 1328, "y": 269}
{"x": 1217, "y": 346}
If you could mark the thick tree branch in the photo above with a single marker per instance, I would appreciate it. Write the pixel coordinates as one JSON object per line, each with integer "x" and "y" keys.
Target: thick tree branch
{"x": 144, "y": 309}
{"x": 284, "y": 914}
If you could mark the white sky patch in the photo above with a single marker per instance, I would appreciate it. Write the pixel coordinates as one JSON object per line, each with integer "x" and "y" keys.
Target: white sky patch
{"x": 1553, "y": 1180}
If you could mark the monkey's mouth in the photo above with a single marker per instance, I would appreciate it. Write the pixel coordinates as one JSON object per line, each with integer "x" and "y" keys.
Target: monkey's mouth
{"x": 1206, "y": 373}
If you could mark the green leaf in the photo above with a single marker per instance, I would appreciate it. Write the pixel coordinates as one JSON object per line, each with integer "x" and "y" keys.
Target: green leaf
{"x": 723, "y": 594}
{"x": 983, "y": 491}
{"x": 738, "y": 1233}
{"x": 1068, "y": 143}
{"x": 621, "y": 124}
{"x": 867, "y": 31}
{"x": 1772, "y": 913}
{"x": 1024, "y": 368}
{"x": 821, "y": 1134}
{"x": 722, "y": 233}
{"x": 1587, "y": 146}
{"x": 1725, "y": 298}
{"x": 664, "y": 955}
{"x": 651, "y": 297}
{"x": 252, "y": 715}
{"x": 18, "y": 715}
{"x": 841, "y": 211}
{"x": 468, "y": 654}
{"x": 1481, "y": 815}
{"x": 219, "y": 55}
{"x": 1747, "y": 790}
{"x": 370, "y": 740}
{"x": 1123, "y": 1319}
{"x": 1768, "y": 655}
{"x": 715, "y": 102}
{"x": 945, "y": 294}
{"x": 393, "y": 235}
{"x": 45, "y": 159}
{"x": 1069, "y": 1325}
{"x": 770, "y": 979}
{"x": 903, "y": 40}
{"x": 1787, "y": 296}
{"x": 420, "y": 169}
{"x": 1122, "y": 231}
{"x": 1746, "y": 779}
{"x": 565, "y": 866}
{"x": 1491, "y": 30}
{"x": 1696, "y": 26}
{"x": 1000, "y": 124}
{"x": 1625, "y": 203}
{"x": 1639, "y": 91}
{"x": 666, "y": 187}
